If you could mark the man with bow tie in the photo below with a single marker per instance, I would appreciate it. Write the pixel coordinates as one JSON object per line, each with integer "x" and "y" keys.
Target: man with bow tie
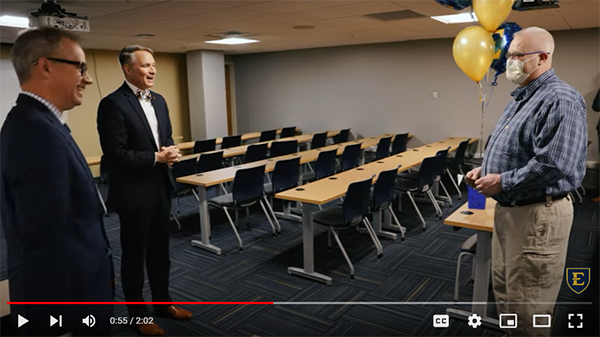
{"x": 135, "y": 135}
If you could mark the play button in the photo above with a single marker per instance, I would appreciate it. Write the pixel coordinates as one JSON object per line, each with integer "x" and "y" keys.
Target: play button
{"x": 22, "y": 321}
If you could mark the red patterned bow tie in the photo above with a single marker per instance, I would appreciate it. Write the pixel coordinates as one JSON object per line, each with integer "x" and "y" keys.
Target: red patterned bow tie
{"x": 144, "y": 94}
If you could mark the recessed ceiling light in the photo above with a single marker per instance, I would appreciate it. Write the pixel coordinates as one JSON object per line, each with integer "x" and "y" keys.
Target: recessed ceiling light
{"x": 456, "y": 18}
{"x": 232, "y": 39}
{"x": 14, "y": 21}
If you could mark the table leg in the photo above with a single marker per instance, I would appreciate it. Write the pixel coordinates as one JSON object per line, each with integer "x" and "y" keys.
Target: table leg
{"x": 204, "y": 224}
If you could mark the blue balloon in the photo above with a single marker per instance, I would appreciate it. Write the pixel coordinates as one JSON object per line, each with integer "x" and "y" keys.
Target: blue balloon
{"x": 455, "y": 4}
{"x": 503, "y": 40}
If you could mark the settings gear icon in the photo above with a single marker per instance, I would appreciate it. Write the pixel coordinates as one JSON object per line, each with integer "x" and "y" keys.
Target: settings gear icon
{"x": 474, "y": 321}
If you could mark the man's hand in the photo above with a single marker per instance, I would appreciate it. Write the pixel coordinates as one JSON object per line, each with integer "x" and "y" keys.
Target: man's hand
{"x": 473, "y": 175}
{"x": 489, "y": 185}
{"x": 168, "y": 155}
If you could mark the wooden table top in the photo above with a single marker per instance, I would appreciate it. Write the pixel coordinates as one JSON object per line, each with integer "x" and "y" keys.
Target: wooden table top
{"x": 328, "y": 189}
{"x": 245, "y": 137}
{"x": 481, "y": 219}
{"x": 227, "y": 174}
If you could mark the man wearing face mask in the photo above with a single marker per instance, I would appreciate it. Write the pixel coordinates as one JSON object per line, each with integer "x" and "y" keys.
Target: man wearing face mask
{"x": 535, "y": 157}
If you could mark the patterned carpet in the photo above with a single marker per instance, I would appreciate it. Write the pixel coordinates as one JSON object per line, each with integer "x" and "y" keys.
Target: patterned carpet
{"x": 420, "y": 269}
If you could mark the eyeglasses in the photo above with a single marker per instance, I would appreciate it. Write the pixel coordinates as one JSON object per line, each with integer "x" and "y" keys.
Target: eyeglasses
{"x": 519, "y": 55}
{"x": 81, "y": 65}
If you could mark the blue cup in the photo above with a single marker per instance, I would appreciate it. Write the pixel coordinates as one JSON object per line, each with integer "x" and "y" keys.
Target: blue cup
{"x": 476, "y": 199}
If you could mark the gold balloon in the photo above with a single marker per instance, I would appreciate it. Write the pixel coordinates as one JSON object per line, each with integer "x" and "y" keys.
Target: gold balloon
{"x": 492, "y": 13}
{"x": 473, "y": 51}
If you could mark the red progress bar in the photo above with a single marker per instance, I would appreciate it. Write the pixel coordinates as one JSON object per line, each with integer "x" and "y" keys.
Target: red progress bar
{"x": 168, "y": 303}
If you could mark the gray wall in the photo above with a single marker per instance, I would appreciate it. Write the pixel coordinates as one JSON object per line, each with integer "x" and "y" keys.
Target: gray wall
{"x": 388, "y": 88}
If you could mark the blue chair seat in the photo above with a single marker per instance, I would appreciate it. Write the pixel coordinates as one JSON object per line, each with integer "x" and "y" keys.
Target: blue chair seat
{"x": 413, "y": 175}
{"x": 407, "y": 185}
{"x": 222, "y": 200}
{"x": 332, "y": 217}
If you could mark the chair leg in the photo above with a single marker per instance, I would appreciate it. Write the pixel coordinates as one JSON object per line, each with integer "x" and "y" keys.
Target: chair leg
{"x": 177, "y": 222}
{"x": 337, "y": 239}
{"x": 223, "y": 188}
{"x": 273, "y": 214}
{"x": 374, "y": 238}
{"x": 402, "y": 229}
{"x": 267, "y": 215}
{"x": 234, "y": 227}
{"x": 195, "y": 195}
{"x": 178, "y": 206}
{"x": 578, "y": 196}
{"x": 446, "y": 192}
{"x": 455, "y": 184}
{"x": 456, "y": 278}
{"x": 438, "y": 210}
{"x": 102, "y": 201}
{"x": 417, "y": 209}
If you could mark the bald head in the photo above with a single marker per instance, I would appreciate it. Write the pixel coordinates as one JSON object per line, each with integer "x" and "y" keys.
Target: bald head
{"x": 536, "y": 39}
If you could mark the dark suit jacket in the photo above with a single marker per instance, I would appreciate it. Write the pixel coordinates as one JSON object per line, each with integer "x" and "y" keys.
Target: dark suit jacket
{"x": 51, "y": 214}
{"x": 129, "y": 147}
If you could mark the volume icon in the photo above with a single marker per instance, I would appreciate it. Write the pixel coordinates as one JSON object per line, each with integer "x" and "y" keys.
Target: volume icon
{"x": 90, "y": 320}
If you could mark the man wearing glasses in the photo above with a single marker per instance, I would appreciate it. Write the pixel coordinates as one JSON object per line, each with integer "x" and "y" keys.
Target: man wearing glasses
{"x": 535, "y": 157}
{"x": 57, "y": 249}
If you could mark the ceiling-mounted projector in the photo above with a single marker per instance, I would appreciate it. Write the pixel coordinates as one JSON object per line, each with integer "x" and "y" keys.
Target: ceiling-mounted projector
{"x": 51, "y": 14}
{"x": 527, "y": 5}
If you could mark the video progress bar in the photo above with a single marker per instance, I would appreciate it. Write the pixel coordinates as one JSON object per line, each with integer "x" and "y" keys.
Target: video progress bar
{"x": 293, "y": 303}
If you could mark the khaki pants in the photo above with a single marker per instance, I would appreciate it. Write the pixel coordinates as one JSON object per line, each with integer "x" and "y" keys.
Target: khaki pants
{"x": 529, "y": 248}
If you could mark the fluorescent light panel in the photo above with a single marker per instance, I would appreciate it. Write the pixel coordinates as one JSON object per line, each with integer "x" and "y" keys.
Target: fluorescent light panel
{"x": 14, "y": 21}
{"x": 456, "y": 18}
{"x": 232, "y": 41}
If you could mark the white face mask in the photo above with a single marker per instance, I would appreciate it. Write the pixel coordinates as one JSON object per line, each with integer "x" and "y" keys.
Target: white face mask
{"x": 514, "y": 70}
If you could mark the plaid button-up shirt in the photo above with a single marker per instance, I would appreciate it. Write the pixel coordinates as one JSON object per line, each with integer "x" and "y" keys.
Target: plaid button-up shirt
{"x": 49, "y": 105}
{"x": 539, "y": 146}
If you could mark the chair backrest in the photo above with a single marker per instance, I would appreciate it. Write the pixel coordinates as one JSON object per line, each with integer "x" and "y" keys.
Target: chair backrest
{"x": 318, "y": 140}
{"x": 282, "y": 148}
{"x": 383, "y": 191}
{"x": 267, "y": 135}
{"x": 210, "y": 161}
{"x": 399, "y": 144}
{"x": 231, "y": 141}
{"x": 289, "y": 131}
{"x": 459, "y": 157}
{"x": 427, "y": 173}
{"x": 182, "y": 168}
{"x": 351, "y": 156}
{"x": 356, "y": 202}
{"x": 440, "y": 164}
{"x": 342, "y": 137}
{"x": 285, "y": 174}
{"x": 383, "y": 148}
{"x": 248, "y": 185}
{"x": 256, "y": 152}
{"x": 325, "y": 165}
{"x": 204, "y": 145}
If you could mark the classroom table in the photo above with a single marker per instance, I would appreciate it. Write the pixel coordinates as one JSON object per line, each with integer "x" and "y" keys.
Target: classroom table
{"x": 325, "y": 190}
{"x": 481, "y": 220}
{"x": 205, "y": 180}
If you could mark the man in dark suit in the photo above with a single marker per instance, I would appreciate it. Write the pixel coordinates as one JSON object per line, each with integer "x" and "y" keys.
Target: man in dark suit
{"x": 57, "y": 249}
{"x": 135, "y": 134}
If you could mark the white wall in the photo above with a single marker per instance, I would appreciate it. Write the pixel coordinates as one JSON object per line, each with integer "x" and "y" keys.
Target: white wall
{"x": 206, "y": 91}
{"x": 388, "y": 88}
{"x": 9, "y": 88}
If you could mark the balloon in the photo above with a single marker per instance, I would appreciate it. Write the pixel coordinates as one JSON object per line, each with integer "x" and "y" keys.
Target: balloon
{"x": 473, "y": 51}
{"x": 503, "y": 37}
{"x": 491, "y": 13}
{"x": 455, "y": 4}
